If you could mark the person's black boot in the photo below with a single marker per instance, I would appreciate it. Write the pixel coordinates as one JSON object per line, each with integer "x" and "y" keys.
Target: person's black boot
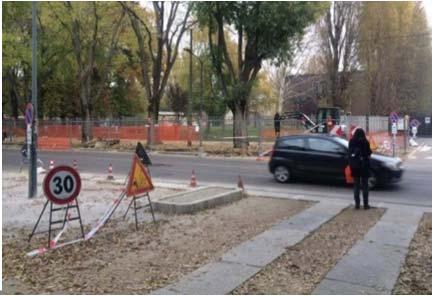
{"x": 366, "y": 202}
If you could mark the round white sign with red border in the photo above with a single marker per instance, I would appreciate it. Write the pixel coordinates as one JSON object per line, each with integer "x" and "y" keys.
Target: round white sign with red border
{"x": 62, "y": 185}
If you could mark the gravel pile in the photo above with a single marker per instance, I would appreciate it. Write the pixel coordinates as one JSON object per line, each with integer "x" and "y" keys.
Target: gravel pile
{"x": 301, "y": 268}
{"x": 120, "y": 260}
{"x": 416, "y": 274}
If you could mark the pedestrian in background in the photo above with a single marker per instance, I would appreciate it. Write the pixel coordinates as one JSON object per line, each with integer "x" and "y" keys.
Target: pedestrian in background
{"x": 277, "y": 120}
{"x": 359, "y": 155}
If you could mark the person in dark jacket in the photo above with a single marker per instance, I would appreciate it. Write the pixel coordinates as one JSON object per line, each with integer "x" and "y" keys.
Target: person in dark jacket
{"x": 277, "y": 120}
{"x": 359, "y": 155}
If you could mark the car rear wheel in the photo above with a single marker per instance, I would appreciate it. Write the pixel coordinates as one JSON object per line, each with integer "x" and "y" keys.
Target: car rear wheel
{"x": 282, "y": 174}
{"x": 372, "y": 181}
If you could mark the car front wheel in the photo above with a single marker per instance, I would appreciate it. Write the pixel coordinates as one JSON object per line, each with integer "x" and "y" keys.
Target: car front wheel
{"x": 282, "y": 174}
{"x": 372, "y": 181}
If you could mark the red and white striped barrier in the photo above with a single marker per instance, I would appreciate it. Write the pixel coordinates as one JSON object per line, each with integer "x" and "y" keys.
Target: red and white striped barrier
{"x": 101, "y": 222}
{"x": 264, "y": 154}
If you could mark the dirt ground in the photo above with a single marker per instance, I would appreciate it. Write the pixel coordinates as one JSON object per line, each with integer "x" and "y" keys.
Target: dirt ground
{"x": 120, "y": 260}
{"x": 94, "y": 199}
{"x": 416, "y": 274}
{"x": 303, "y": 266}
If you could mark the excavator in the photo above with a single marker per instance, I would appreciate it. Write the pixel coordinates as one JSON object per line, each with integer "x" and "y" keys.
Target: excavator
{"x": 327, "y": 118}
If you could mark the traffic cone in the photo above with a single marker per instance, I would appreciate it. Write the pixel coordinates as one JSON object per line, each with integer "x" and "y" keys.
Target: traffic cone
{"x": 51, "y": 165}
{"x": 240, "y": 183}
{"x": 75, "y": 164}
{"x": 193, "y": 181}
{"x": 110, "y": 175}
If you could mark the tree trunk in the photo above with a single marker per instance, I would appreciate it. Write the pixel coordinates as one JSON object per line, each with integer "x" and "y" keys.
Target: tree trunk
{"x": 87, "y": 134}
{"x": 153, "y": 110}
{"x": 13, "y": 94}
{"x": 240, "y": 128}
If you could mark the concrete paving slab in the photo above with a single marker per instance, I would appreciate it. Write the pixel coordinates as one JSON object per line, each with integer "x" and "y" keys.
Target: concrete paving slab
{"x": 391, "y": 234}
{"x": 370, "y": 264}
{"x": 243, "y": 261}
{"x": 282, "y": 237}
{"x": 333, "y": 287}
{"x": 376, "y": 260}
{"x": 312, "y": 218}
{"x": 258, "y": 252}
{"x": 264, "y": 248}
{"x": 403, "y": 215}
{"x": 196, "y": 200}
{"x": 165, "y": 291}
{"x": 214, "y": 278}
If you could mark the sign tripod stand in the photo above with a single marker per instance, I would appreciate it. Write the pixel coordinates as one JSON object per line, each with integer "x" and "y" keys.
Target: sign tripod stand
{"x": 139, "y": 184}
{"x": 61, "y": 187}
{"x": 65, "y": 220}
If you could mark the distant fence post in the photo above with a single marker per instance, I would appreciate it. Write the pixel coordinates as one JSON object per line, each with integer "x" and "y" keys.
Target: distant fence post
{"x": 259, "y": 137}
{"x": 223, "y": 129}
{"x": 367, "y": 123}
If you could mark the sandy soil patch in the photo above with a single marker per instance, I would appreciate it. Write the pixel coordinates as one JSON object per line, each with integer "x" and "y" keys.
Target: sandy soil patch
{"x": 303, "y": 266}
{"x": 95, "y": 198}
{"x": 416, "y": 274}
{"x": 121, "y": 260}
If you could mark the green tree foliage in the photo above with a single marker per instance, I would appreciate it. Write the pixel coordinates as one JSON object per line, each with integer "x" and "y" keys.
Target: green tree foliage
{"x": 16, "y": 35}
{"x": 395, "y": 51}
{"x": 265, "y": 31}
{"x": 86, "y": 65}
{"x": 177, "y": 98}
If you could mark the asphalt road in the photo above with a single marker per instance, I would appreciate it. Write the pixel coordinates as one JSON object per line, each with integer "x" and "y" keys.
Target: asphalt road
{"x": 415, "y": 188}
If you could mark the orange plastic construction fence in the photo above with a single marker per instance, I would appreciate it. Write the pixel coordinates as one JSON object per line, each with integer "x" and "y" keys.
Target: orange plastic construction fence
{"x": 174, "y": 132}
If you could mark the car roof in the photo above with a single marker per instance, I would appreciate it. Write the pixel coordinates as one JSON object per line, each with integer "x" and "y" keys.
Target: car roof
{"x": 324, "y": 136}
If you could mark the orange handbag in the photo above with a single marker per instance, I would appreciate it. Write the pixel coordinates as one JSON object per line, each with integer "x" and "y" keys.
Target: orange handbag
{"x": 348, "y": 177}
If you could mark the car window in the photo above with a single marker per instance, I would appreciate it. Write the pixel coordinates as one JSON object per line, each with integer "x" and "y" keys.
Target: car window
{"x": 293, "y": 144}
{"x": 323, "y": 145}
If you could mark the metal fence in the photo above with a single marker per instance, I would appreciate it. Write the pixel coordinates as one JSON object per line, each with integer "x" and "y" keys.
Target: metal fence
{"x": 214, "y": 129}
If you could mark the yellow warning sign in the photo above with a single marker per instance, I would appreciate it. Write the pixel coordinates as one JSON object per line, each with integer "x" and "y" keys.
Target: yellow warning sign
{"x": 139, "y": 179}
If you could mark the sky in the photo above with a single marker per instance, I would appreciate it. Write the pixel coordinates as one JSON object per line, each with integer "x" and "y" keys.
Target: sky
{"x": 428, "y": 7}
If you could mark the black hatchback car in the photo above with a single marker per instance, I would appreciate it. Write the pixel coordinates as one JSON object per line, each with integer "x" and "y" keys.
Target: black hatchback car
{"x": 325, "y": 157}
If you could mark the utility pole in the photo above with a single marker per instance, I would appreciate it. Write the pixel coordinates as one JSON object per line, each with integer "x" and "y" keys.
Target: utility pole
{"x": 201, "y": 150}
{"x": 33, "y": 136}
{"x": 201, "y": 95}
{"x": 189, "y": 107}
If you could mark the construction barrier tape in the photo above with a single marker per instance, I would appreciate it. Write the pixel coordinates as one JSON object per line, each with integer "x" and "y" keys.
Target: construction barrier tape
{"x": 89, "y": 235}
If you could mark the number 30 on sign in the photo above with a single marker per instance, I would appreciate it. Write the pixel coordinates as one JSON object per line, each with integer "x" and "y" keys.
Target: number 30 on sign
{"x": 62, "y": 185}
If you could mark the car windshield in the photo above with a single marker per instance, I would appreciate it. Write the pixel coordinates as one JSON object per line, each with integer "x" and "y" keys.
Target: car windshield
{"x": 342, "y": 141}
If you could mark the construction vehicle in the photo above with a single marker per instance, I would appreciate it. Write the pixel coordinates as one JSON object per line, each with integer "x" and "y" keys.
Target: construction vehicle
{"x": 326, "y": 120}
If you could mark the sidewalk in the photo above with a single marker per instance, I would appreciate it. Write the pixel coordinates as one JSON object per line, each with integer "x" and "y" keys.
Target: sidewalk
{"x": 372, "y": 266}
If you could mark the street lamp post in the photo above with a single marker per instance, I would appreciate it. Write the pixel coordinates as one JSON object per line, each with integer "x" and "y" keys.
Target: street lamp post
{"x": 189, "y": 105}
{"x": 33, "y": 135}
{"x": 201, "y": 95}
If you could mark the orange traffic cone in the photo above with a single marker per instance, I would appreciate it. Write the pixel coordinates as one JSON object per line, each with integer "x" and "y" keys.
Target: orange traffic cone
{"x": 193, "y": 181}
{"x": 110, "y": 175}
{"x": 240, "y": 183}
{"x": 51, "y": 165}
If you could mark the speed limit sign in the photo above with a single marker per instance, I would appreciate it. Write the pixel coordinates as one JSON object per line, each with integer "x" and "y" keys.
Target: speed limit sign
{"x": 62, "y": 185}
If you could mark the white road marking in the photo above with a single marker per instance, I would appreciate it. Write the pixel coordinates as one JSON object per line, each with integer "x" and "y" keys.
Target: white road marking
{"x": 425, "y": 148}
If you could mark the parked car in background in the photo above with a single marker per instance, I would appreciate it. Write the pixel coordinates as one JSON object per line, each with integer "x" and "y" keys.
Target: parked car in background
{"x": 325, "y": 157}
